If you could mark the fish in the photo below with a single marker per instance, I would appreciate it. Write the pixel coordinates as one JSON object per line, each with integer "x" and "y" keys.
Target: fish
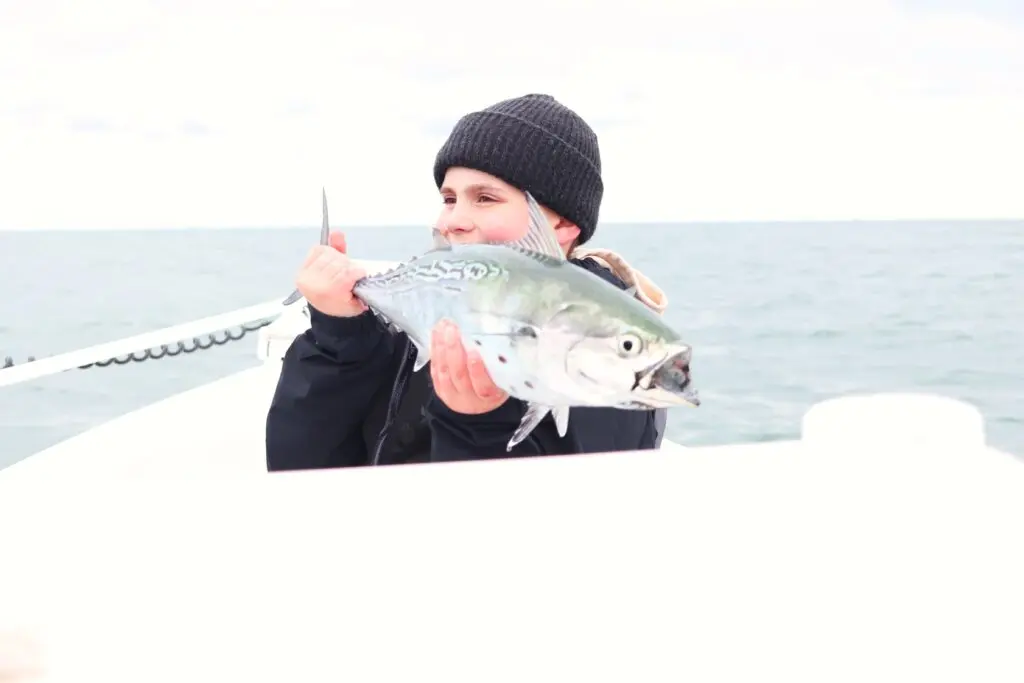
{"x": 550, "y": 333}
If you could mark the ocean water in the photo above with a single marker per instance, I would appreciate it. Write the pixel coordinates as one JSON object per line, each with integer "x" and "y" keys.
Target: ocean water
{"x": 780, "y": 316}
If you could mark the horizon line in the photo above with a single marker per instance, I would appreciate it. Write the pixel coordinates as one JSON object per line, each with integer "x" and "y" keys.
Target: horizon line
{"x": 609, "y": 224}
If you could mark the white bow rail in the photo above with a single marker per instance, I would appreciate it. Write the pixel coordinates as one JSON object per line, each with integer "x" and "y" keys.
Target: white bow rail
{"x": 156, "y": 339}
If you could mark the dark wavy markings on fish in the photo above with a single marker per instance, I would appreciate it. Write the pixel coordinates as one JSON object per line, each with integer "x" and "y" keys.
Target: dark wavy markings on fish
{"x": 436, "y": 271}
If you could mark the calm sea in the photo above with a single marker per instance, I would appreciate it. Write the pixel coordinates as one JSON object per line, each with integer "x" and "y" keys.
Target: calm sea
{"x": 780, "y": 316}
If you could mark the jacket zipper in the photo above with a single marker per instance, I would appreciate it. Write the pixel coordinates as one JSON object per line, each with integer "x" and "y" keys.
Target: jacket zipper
{"x": 397, "y": 391}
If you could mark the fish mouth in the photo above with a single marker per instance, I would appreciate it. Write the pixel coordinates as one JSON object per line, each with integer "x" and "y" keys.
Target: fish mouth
{"x": 667, "y": 382}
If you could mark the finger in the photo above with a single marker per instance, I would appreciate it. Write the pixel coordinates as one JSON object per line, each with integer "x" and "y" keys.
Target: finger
{"x": 438, "y": 366}
{"x": 346, "y": 280}
{"x": 479, "y": 378}
{"x": 325, "y": 256}
{"x": 455, "y": 359}
{"x": 330, "y": 267}
{"x": 312, "y": 256}
{"x": 349, "y": 277}
{"x": 337, "y": 241}
{"x": 311, "y": 269}
{"x": 320, "y": 275}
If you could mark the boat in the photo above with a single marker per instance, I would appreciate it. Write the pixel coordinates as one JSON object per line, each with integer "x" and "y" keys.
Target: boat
{"x": 884, "y": 542}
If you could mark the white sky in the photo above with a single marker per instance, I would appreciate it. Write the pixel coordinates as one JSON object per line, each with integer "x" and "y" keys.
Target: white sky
{"x": 175, "y": 113}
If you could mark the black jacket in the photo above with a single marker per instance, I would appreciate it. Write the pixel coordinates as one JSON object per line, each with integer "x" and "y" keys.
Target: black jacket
{"x": 347, "y": 396}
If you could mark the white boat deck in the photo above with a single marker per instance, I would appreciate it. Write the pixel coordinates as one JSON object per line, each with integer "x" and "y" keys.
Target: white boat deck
{"x": 886, "y": 544}
{"x": 214, "y": 430}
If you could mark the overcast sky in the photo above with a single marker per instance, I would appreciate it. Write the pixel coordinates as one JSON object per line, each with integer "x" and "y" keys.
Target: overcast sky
{"x": 224, "y": 113}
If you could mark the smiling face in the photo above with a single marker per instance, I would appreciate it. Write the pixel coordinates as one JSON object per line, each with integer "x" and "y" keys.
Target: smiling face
{"x": 479, "y": 207}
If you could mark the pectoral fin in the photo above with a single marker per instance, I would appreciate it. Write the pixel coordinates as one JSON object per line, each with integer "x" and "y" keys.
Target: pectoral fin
{"x": 535, "y": 414}
{"x": 422, "y": 354}
{"x": 561, "y": 415}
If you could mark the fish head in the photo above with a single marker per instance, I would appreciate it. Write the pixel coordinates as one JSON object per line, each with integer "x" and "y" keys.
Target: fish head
{"x": 631, "y": 359}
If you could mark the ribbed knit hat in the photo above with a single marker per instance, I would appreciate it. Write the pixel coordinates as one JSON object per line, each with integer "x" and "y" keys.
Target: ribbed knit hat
{"x": 537, "y": 145}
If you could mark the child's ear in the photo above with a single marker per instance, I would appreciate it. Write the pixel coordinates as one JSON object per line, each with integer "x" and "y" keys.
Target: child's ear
{"x": 566, "y": 231}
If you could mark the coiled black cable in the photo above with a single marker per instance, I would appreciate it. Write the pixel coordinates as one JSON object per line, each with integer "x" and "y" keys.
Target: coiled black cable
{"x": 167, "y": 350}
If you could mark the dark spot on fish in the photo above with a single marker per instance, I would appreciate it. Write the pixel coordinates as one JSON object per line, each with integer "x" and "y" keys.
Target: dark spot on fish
{"x": 477, "y": 342}
{"x": 502, "y": 359}
{"x": 529, "y": 384}
{"x": 527, "y": 332}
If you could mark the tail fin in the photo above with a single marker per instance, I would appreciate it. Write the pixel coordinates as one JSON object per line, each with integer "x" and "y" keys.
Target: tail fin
{"x": 325, "y": 232}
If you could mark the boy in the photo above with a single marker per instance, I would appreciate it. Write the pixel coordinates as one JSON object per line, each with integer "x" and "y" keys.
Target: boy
{"x": 347, "y": 395}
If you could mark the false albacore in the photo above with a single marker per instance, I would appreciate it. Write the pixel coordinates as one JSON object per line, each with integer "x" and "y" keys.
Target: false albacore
{"x": 550, "y": 333}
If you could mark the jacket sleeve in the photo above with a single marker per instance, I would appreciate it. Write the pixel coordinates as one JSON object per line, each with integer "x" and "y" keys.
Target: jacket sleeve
{"x": 456, "y": 436}
{"x": 329, "y": 378}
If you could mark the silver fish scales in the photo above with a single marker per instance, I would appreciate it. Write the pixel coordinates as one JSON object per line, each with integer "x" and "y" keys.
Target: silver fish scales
{"x": 550, "y": 333}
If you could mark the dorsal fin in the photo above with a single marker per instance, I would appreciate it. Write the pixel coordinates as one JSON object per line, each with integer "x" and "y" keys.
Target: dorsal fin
{"x": 540, "y": 236}
{"x": 439, "y": 240}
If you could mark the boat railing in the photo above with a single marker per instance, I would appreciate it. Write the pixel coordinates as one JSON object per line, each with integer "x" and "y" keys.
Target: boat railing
{"x": 188, "y": 337}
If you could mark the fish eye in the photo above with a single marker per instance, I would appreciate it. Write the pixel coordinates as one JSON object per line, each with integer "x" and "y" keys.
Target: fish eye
{"x": 630, "y": 345}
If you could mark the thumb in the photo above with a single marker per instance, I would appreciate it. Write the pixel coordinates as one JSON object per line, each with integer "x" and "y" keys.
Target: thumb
{"x": 337, "y": 241}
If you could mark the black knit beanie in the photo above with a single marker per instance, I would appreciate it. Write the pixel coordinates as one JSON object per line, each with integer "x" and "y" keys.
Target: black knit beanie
{"x": 537, "y": 145}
